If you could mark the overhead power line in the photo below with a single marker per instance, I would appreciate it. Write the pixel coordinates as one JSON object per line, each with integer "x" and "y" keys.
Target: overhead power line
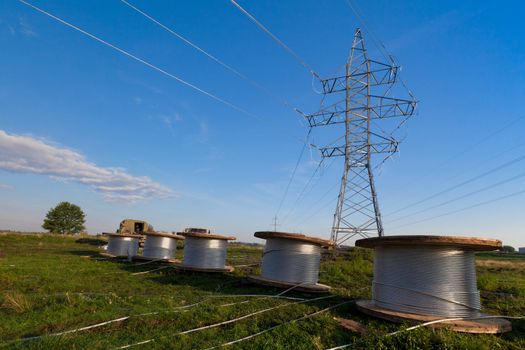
{"x": 292, "y": 176}
{"x": 303, "y": 192}
{"x": 472, "y": 179}
{"x": 483, "y": 189}
{"x": 317, "y": 210}
{"x": 464, "y": 151}
{"x": 215, "y": 59}
{"x": 146, "y": 63}
{"x": 377, "y": 42}
{"x": 497, "y": 199}
{"x": 276, "y": 39}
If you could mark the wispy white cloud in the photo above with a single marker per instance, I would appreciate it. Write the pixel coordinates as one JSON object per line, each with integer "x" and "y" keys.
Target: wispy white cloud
{"x": 26, "y": 154}
{"x": 26, "y": 28}
{"x": 204, "y": 131}
{"x": 440, "y": 24}
{"x": 5, "y": 186}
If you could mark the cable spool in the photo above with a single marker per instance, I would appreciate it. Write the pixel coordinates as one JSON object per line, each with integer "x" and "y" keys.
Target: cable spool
{"x": 291, "y": 259}
{"x": 205, "y": 252}
{"x": 123, "y": 245}
{"x": 426, "y": 278}
{"x": 160, "y": 246}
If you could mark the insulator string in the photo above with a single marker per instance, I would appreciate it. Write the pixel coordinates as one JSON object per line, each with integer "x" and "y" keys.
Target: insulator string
{"x": 123, "y": 245}
{"x": 159, "y": 247}
{"x": 205, "y": 252}
{"x": 438, "y": 281}
{"x": 291, "y": 261}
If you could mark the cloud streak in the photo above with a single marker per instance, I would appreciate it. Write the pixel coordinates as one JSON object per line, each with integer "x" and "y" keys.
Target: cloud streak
{"x": 26, "y": 154}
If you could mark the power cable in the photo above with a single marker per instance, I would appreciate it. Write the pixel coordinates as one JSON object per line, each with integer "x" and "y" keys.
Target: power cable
{"x": 317, "y": 210}
{"x": 463, "y": 152}
{"x": 150, "y": 65}
{"x": 299, "y": 197}
{"x": 215, "y": 59}
{"x": 485, "y": 161}
{"x": 276, "y": 39}
{"x": 472, "y": 179}
{"x": 293, "y": 173}
{"x": 486, "y": 188}
{"x": 378, "y": 43}
{"x": 465, "y": 208}
{"x": 302, "y": 193}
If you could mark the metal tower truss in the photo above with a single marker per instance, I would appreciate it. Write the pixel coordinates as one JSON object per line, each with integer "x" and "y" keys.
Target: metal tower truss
{"x": 361, "y": 101}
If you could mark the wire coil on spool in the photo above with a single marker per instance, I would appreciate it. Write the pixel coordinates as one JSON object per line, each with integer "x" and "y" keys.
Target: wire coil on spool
{"x": 425, "y": 278}
{"x": 205, "y": 251}
{"x": 123, "y": 244}
{"x": 160, "y": 245}
{"x": 291, "y": 259}
{"x": 438, "y": 281}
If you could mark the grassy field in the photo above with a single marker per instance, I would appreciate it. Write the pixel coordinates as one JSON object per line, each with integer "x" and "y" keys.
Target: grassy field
{"x": 51, "y": 284}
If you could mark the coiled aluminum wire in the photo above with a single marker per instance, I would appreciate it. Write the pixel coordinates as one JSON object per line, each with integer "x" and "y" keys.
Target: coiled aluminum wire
{"x": 438, "y": 281}
{"x": 159, "y": 247}
{"x": 204, "y": 252}
{"x": 123, "y": 245}
{"x": 291, "y": 261}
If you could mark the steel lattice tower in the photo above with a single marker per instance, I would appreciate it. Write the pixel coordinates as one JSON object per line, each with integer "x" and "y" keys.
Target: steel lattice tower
{"x": 366, "y": 104}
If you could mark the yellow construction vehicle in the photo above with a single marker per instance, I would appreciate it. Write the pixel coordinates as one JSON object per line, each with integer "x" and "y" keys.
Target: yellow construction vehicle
{"x": 135, "y": 227}
{"x": 131, "y": 226}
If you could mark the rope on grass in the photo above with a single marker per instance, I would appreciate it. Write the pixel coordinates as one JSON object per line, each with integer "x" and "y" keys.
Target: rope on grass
{"x": 157, "y": 269}
{"x": 78, "y": 329}
{"x": 279, "y": 325}
{"x": 148, "y": 262}
{"x": 271, "y": 296}
{"x": 228, "y": 321}
{"x": 120, "y": 319}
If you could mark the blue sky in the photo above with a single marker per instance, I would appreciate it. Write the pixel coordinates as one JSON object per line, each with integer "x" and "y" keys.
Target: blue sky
{"x": 83, "y": 123}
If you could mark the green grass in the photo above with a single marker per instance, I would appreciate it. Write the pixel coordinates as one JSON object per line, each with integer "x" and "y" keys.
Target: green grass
{"x": 51, "y": 284}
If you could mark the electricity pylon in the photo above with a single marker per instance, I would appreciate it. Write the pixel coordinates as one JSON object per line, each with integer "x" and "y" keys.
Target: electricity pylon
{"x": 366, "y": 104}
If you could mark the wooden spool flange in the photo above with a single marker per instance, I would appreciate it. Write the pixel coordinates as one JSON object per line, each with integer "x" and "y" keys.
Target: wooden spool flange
{"x": 489, "y": 326}
{"x": 466, "y": 243}
{"x": 206, "y": 235}
{"x": 294, "y": 236}
{"x": 310, "y": 288}
{"x": 160, "y": 234}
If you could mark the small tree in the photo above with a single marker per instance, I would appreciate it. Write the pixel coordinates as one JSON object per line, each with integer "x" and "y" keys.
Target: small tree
{"x": 508, "y": 249}
{"x": 65, "y": 218}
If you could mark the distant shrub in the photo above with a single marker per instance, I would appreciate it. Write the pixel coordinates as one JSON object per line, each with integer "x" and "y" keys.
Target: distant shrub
{"x": 507, "y": 249}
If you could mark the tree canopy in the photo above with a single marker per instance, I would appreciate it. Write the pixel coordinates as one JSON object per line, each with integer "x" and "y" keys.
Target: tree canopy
{"x": 508, "y": 249}
{"x": 65, "y": 218}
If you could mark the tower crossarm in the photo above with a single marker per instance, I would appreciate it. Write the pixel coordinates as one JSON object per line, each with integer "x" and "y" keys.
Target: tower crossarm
{"x": 376, "y": 148}
{"x": 378, "y": 74}
{"x": 381, "y": 107}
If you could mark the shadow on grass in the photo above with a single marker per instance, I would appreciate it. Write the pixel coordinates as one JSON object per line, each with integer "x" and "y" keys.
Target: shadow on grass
{"x": 91, "y": 241}
{"x": 211, "y": 282}
{"x": 90, "y": 253}
{"x": 224, "y": 283}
